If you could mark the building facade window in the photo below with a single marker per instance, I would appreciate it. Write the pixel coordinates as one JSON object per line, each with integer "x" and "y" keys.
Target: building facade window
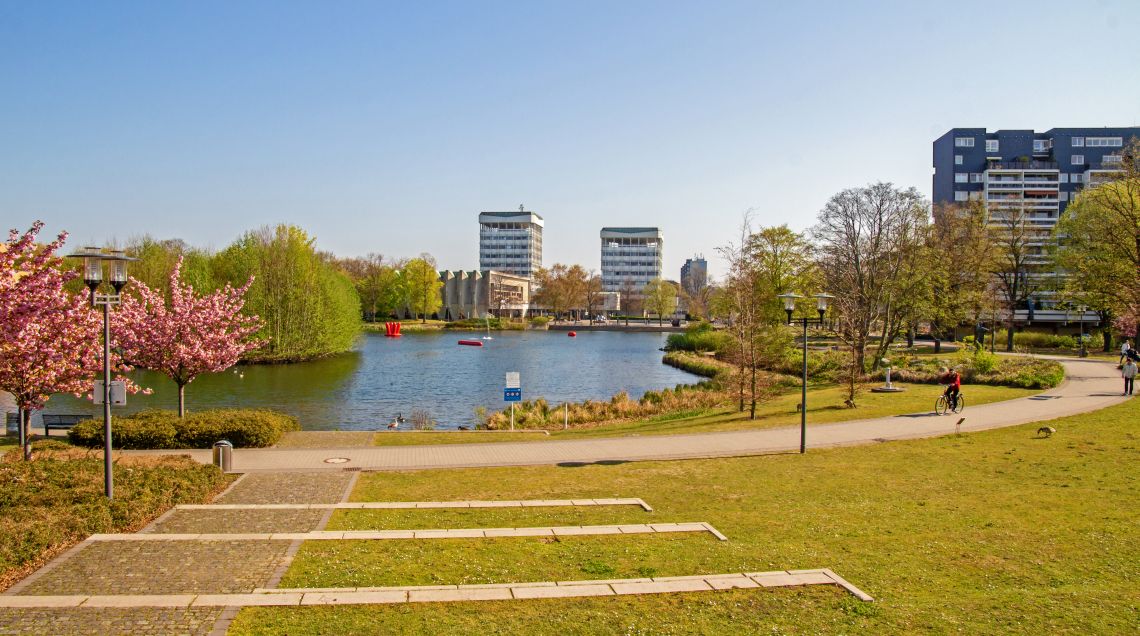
{"x": 1078, "y": 160}
{"x": 1077, "y": 178}
{"x": 1040, "y": 145}
{"x": 977, "y": 177}
{"x": 957, "y": 160}
{"x": 1064, "y": 177}
{"x": 961, "y": 195}
{"x": 1112, "y": 159}
{"x": 1078, "y": 142}
{"x": 961, "y": 177}
{"x": 991, "y": 145}
{"x": 1104, "y": 142}
{"x": 964, "y": 142}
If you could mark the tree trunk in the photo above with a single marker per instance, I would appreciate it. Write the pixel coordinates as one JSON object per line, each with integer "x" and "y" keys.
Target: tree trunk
{"x": 910, "y": 337}
{"x": 1009, "y": 337}
{"x": 26, "y": 423}
{"x": 181, "y": 400}
{"x": 1107, "y": 331}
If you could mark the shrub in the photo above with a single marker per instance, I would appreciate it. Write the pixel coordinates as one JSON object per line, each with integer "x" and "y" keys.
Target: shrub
{"x": 700, "y": 337}
{"x": 244, "y": 428}
{"x": 539, "y": 321}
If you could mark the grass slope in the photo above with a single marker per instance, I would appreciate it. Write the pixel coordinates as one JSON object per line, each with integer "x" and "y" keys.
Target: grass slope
{"x": 993, "y": 532}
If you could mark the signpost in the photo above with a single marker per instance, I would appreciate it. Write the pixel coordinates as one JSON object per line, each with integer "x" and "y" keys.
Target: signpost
{"x": 512, "y": 392}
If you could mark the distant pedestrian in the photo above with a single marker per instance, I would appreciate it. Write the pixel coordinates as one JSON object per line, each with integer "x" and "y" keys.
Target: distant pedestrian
{"x": 1124, "y": 349}
{"x": 1128, "y": 372}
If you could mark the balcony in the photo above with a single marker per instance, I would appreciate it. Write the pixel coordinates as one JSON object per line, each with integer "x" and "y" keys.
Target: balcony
{"x": 1022, "y": 165}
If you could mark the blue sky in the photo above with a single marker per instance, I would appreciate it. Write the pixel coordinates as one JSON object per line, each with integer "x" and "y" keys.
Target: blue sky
{"x": 386, "y": 127}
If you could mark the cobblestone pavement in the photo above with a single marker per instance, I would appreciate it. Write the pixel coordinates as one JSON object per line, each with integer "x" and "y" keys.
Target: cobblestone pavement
{"x": 281, "y": 488}
{"x": 141, "y": 621}
{"x": 163, "y": 567}
{"x": 326, "y": 439}
{"x": 234, "y": 521}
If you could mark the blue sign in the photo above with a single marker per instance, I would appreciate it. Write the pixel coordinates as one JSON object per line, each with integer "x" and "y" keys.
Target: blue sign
{"x": 512, "y": 395}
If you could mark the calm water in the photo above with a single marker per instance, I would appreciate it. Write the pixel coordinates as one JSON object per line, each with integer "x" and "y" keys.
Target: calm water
{"x": 365, "y": 389}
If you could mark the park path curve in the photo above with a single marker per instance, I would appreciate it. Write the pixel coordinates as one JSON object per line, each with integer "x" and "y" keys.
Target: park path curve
{"x": 1090, "y": 385}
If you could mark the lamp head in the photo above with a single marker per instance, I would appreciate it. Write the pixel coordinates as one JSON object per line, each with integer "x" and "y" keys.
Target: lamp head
{"x": 789, "y": 303}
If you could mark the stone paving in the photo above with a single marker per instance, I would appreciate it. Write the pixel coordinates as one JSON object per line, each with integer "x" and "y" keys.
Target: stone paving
{"x": 162, "y": 567}
{"x": 256, "y": 520}
{"x": 108, "y": 620}
{"x": 282, "y": 488}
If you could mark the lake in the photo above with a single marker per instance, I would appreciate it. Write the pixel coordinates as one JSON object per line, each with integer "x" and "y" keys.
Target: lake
{"x": 383, "y": 377}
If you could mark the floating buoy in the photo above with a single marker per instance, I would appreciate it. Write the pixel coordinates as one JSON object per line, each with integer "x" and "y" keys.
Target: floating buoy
{"x": 471, "y": 343}
{"x": 572, "y": 334}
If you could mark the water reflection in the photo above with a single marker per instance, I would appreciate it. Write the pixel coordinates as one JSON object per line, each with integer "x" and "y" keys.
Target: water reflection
{"x": 365, "y": 389}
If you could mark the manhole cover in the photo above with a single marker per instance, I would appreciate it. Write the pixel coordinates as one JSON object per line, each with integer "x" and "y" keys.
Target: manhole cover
{"x": 337, "y": 460}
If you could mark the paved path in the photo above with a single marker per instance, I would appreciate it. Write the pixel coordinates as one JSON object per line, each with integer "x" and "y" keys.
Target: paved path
{"x": 1090, "y": 385}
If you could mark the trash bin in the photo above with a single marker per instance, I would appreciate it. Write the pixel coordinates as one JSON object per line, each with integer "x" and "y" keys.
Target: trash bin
{"x": 223, "y": 455}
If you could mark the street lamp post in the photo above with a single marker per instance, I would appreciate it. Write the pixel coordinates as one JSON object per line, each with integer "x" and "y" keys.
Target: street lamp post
{"x": 93, "y": 259}
{"x": 1083, "y": 352}
{"x": 789, "y": 308}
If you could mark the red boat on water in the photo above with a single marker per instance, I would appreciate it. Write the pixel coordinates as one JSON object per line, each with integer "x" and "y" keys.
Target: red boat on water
{"x": 471, "y": 343}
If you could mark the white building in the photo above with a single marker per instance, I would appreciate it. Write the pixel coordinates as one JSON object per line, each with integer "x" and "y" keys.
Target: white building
{"x": 510, "y": 242}
{"x": 631, "y": 257}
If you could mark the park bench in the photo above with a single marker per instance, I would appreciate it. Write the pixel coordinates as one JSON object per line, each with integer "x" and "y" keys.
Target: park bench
{"x": 62, "y": 421}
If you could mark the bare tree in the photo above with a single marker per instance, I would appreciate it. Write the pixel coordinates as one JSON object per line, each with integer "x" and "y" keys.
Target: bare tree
{"x": 740, "y": 301}
{"x": 864, "y": 237}
{"x": 1016, "y": 250}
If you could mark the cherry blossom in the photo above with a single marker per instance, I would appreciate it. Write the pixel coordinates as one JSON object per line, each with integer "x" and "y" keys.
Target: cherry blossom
{"x": 193, "y": 334}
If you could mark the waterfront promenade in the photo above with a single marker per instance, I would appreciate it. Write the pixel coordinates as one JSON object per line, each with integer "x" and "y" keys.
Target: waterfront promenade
{"x": 1089, "y": 385}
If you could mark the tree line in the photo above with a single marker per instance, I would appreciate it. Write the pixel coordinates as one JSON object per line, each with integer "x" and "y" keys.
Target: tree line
{"x": 897, "y": 264}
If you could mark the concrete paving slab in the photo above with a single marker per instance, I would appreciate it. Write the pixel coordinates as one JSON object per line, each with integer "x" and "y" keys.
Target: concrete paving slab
{"x": 813, "y": 578}
{"x": 246, "y": 600}
{"x": 140, "y": 600}
{"x": 778, "y": 580}
{"x": 353, "y": 598}
{"x": 562, "y": 591}
{"x": 663, "y": 587}
{"x": 462, "y": 594}
{"x": 731, "y": 582}
{"x": 41, "y": 601}
{"x": 604, "y": 581}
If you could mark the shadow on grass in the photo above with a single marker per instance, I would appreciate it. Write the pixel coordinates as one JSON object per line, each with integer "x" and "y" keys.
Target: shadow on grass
{"x": 601, "y": 462}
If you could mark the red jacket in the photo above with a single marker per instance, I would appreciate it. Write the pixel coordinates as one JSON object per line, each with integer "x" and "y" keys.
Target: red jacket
{"x": 953, "y": 378}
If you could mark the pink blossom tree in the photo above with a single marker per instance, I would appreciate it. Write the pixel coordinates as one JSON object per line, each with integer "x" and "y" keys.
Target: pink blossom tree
{"x": 49, "y": 338}
{"x": 194, "y": 334}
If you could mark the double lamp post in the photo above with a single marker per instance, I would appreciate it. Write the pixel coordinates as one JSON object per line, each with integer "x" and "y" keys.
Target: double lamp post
{"x": 790, "y": 307}
{"x": 93, "y": 259}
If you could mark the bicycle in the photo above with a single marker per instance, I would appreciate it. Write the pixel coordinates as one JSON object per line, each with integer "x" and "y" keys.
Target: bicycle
{"x": 942, "y": 405}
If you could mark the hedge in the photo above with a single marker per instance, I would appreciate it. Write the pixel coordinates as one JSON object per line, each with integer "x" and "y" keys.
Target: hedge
{"x": 244, "y": 428}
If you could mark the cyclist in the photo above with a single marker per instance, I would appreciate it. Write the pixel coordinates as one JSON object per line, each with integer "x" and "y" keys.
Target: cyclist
{"x": 953, "y": 381}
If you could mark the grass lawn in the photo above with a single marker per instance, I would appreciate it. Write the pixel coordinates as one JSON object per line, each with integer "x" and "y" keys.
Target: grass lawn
{"x": 57, "y": 500}
{"x": 825, "y": 406}
{"x": 991, "y": 532}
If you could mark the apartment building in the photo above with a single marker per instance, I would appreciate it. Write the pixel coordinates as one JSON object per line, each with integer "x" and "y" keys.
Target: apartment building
{"x": 694, "y": 274}
{"x": 1032, "y": 175}
{"x": 631, "y": 257}
{"x": 510, "y": 242}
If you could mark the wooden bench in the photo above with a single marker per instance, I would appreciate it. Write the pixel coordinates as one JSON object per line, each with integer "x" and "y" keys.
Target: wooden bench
{"x": 62, "y": 421}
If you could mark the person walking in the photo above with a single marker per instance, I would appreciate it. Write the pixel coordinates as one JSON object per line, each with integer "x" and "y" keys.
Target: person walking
{"x": 1125, "y": 347}
{"x": 1128, "y": 372}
